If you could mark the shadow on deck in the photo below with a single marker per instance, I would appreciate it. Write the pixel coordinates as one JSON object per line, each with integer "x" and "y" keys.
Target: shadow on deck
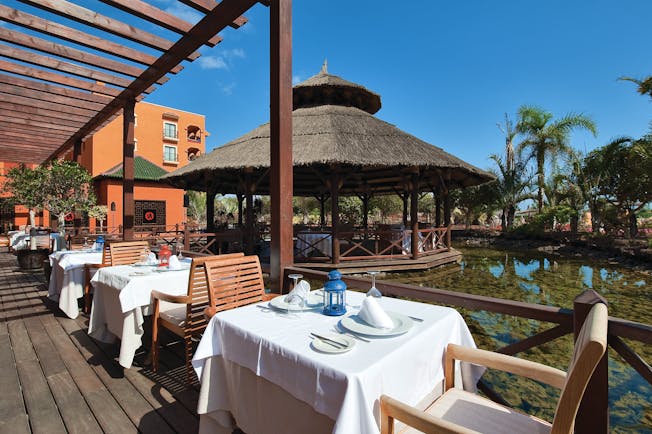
{"x": 55, "y": 378}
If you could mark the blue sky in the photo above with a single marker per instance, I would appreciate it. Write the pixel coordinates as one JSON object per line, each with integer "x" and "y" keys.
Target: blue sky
{"x": 446, "y": 71}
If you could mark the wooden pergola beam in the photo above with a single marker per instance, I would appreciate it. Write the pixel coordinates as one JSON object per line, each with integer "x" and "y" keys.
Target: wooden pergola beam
{"x": 66, "y": 33}
{"x": 206, "y": 6}
{"x": 215, "y": 21}
{"x": 155, "y": 15}
{"x": 35, "y": 103}
{"x": 9, "y": 113}
{"x": 29, "y": 137}
{"x": 37, "y": 131}
{"x": 86, "y": 16}
{"x": 29, "y": 122}
{"x": 38, "y": 111}
{"x": 18, "y": 82}
{"x": 67, "y": 67}
{"x": 38, "y": 95}
{"x": 45, "y": 46}
{"x": 52, "y": 77}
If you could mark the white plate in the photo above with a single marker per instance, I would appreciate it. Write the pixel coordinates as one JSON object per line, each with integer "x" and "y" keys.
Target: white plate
{"x": 324, "y": 347}
{"x": 315, "y": 301}
{"x": 164, "y": 269}
{"x": 355, "y": 324}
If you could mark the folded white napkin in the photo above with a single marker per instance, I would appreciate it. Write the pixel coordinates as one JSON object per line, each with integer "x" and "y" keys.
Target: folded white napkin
{"x": 374, "y": 315}
{"x": 151, "y": 258}
{"x": 174, "y": 263}
{"x": 299, "y": 293}
{"x": 94, "y": 246}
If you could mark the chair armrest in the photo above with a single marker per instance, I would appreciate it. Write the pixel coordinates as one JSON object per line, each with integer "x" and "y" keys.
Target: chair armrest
{"x": 180, "y": 299}
{"x": 209, "y": 312}
{"x": 526, "y": 368}
{"x": 391, "y": 408}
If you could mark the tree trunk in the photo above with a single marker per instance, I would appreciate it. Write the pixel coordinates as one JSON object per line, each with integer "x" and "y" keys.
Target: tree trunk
{"x": 633, "y": 225}
{"x": 32, "y": 218}
{"x": 541, "y": 179}
{"x": 62, "y": 223}
{"x": 574, "y": 223}
{"x": 503, "y": 220}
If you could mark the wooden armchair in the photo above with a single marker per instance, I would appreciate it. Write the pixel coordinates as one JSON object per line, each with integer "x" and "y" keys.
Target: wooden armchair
{"x": 235, "y": 282}
{"x": 117, "y": 253}
{"x": 187, "y": 321}
{"x": 457, "y": 411}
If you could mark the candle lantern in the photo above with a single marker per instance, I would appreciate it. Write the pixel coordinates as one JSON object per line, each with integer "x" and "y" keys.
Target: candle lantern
{"x": 99, "y": 243}
{"x": 334, "y": 295}
{"x": 164, "y": 256}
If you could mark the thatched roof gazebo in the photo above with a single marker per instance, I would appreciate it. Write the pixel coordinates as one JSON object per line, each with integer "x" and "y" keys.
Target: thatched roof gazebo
{"x": 338, "y": 148}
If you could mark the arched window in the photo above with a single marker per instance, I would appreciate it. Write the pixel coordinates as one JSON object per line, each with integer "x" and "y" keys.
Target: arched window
{"x": 194, "y": 133}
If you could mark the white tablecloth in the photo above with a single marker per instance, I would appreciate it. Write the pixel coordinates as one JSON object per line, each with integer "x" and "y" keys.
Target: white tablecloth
{"x": 121, "y": 299}
{"x": 67, "y": 278}
{"x": 319, "y": 243}
{"x": 20, "y": 241}
{"x": 345, "y": 388}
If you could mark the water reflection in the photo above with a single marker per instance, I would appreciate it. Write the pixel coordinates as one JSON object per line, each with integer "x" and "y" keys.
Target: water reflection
{"x": 550, "y": 280}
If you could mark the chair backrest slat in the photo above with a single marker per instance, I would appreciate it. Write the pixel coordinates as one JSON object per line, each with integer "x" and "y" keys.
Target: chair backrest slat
{"x": 128, "y": 252}
{"x": 235, "y": 282}
{"x": 198, "y": 291}
{"x": 590, "y": 346}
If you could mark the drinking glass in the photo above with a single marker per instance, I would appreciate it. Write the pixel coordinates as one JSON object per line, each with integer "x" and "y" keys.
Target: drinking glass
{"x": 295, "y": 278}
{"x": 373, "y": 291}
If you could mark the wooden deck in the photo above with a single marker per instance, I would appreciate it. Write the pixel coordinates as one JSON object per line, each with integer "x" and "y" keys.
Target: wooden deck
{"x": 425, "y": 262}
{"x": 56, "y": 379}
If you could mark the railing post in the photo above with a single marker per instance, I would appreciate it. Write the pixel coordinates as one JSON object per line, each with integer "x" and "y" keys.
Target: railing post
{"x": 186, "y": 237}
{"x": 448, "y": 236}
{"x": 593, "y": 414}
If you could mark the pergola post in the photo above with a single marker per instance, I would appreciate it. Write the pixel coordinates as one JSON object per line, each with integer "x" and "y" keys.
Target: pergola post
{"x": 322, "y": 209}
{"x": 249, "y": 216}
{"x": 211, "y": 192}
{"x": 128, "y": 169}
{"x": 414, "y": 216}
{"x": 76, "y": 151}
{"x": 281, "y": 184}
{"x": 335, "y": 216}
{"x": 404, "y": 198}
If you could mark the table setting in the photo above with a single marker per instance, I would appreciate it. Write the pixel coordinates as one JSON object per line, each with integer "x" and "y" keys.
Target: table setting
{"x": 329, "y": 352}
{"x": 122, "y": 298}
{"x": 66, "y": 284}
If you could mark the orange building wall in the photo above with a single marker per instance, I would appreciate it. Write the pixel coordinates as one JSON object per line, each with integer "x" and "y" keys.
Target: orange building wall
{"x": 104, "y": 149}
{"x": 111, "y": 191}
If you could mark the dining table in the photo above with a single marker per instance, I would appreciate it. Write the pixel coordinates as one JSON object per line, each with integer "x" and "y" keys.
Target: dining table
{"x": 67, "y": 277}
{"x": 314, "y": 243}
{"x": 262, "y": 370}
{"x": 122, "y": 299}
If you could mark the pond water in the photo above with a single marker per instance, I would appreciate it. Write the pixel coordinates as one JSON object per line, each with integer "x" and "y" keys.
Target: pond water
{"x": 545, "y": 278}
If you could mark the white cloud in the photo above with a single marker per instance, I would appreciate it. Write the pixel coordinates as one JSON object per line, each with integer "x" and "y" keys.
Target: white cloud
{"x": 184, "y": 12}
{"x": 236, "y": 52}
{"x": 296, "y": 79}
{"x": 228, "y": 88}
{"x": 212, "y": 62}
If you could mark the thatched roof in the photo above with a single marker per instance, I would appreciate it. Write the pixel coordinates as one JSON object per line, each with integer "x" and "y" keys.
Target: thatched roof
{"x": 373, "y": 155}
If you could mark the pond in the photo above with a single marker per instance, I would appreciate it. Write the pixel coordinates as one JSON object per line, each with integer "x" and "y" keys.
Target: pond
{"x": 548, "y": 279}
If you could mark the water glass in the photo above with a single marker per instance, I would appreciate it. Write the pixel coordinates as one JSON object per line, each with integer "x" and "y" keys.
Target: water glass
{"x": 373, "y": 291}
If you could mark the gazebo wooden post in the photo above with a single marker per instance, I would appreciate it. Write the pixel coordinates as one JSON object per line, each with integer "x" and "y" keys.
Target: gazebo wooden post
{"x": 447, "y": 216}
{"x": 281, "y": 185}
{"x": 335, "y": 215}
{"x": 249, "y": 216}
{"x": 128, "y": 203}
{"x": 76, "y": 151}
{"x": 414, "y": 216}
{"x": 365, "y": 214}
{"x": 404, "y": 198}
{"x": 211, "y": 192}
{"x": 322, "y": 209}
{"x": 240, "y": 198}
{"x": 437, "y": 196}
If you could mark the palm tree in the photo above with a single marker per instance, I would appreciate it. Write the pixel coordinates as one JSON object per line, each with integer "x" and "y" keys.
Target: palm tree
{"x": 644, "y": 86}
{"x": 544, "y": 138}
{"x": 513, "y": 187}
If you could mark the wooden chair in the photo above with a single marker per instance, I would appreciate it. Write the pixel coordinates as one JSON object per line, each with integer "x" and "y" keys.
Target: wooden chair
{"x": 116, "y": 253}
{"x": 187, "y": 321}
{"x": 235, "y": 282}
{"x": 457, "y": 411}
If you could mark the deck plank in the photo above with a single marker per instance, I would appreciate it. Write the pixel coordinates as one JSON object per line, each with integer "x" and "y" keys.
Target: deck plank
{"x": 13, "y": 415}
{"x": 43, "y": 413}
{"x": 139, "y": 410}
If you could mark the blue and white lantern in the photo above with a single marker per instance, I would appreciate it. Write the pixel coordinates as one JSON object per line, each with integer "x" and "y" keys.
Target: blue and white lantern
{"x": 334, "y": 295}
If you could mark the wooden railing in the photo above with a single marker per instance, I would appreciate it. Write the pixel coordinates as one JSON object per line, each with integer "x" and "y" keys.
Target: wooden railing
{"x": 365, "y": 245}
{"x": 593, "y": 416}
